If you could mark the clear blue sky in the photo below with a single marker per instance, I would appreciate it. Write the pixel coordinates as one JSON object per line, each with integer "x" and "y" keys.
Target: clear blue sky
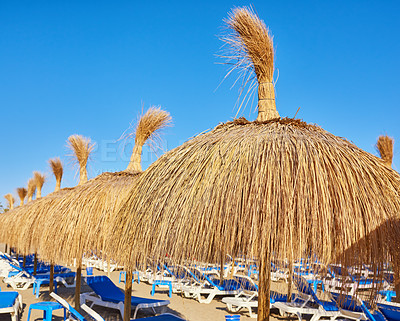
{"x": 88, "y": 67}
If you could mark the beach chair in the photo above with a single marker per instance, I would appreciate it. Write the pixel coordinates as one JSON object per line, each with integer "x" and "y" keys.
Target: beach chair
{"x": 72, "y": 313}
{"x": 107, "y": 294}
{"x": 312, "y": 305}
{"x": 205, "y": 285}
{"x": 11, "y": 302}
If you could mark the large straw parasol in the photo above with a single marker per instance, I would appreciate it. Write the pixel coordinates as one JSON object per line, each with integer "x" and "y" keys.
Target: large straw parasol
{"x": 272, "y": 187}
{"x": 10, "y": 200}
{"x": 81, "y": 219}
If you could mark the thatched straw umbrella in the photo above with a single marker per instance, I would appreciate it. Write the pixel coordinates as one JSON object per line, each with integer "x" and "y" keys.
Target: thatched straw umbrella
{"x": 39, "y": 179}
{"x": 57, "y": 169}
{"x": 83, "y": 216}
{"x": 273, "y": 187}
{"x": 10, "y": 200}
{"x": 22, "y": 192}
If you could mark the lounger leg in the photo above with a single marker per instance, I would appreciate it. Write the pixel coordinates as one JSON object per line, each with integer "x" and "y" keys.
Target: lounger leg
{"x": 134, "y": 314}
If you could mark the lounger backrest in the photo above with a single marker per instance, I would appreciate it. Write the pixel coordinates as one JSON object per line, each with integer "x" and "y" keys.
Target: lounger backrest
{"x": 246, "y": 283}
{"x": 305, "y": 287}
{"x": 92, "y": 313}
{"x": 104, "y": 287}
{"x": 67, "y": 306}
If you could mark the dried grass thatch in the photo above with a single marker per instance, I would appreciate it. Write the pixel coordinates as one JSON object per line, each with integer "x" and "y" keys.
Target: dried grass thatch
{"x": 10, "y": 200}
{"x": 250, "y": 50}
{"x": 57, "y": 169}
{"x": 384, "y": 147}
{"x": 22, "y": 192}
{"x": 39, "y": 179}
{"x": 31, "y": 189}
{"x": 81, "y": 147}
{"x": 83, "y": 218}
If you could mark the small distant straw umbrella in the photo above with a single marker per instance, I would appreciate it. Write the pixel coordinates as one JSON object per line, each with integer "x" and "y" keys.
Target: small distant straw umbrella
{"x": 275, "y": 187}
{"x": 83, "y": 217}
{"x": 22, "y": 192}
{"x": 10, "y": 200}
{"x": 39, "y": 179}
{"x": 57, "y": 169}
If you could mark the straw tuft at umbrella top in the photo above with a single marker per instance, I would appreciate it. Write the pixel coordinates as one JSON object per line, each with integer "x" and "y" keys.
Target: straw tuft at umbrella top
{"x": 39, "y": 179}
{"x": 252, "y": 50}
{"x": 147, "y": 129}
{"x": 57, "y": 169}
{"x": 31, "y": 189}
{"x": 22, "y": 192}
{"x": 10, "y": 200}
{"x": 384, "y": 147}
{"x": 82, "y": 148}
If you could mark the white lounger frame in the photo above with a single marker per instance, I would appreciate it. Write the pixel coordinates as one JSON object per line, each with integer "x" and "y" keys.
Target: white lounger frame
{"x": 15, "y": 309}
{"x": 96, "y": 300}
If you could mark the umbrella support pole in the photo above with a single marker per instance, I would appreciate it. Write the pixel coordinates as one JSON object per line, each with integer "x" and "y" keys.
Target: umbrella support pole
{"x": 35, "y": 264}
{"x": 128, "y": 295}
{"x": 396, "y": 277}
{"x": 6, "y": 248}
{"x": 51, "y": 283}
{"x": 24, "y": 261}
{"x": 78, "y": 284}
{"x": 289, "y": 292}
{"x": 264, "y": 287}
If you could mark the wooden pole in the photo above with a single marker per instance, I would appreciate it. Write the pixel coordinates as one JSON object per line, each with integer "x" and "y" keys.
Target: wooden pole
{"x": 35, "y": 264}
{"x": 24, "y": 262}
{"x": 128, "y": 295}
{"x": 264, "y": 284}
{"x": 6, "y": 249}
{"x": 78, "y": 284}
{"x": 51, "y": 284}
{"x": 290, "y": 280}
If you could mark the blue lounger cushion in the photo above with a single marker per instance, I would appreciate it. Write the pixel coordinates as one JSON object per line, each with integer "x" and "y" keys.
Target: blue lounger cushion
{"x": 108, "y": 291}
{"x": 7, "y": 299}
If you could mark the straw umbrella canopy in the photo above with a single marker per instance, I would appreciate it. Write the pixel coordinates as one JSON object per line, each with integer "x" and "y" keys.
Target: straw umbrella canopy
{"x": 272, "y": 187}
{"x": 10, "y": 200}
{"x": 83, "y": 216}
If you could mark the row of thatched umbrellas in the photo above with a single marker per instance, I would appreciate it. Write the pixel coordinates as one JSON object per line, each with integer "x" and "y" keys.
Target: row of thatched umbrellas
{"x": 274, "y": 188}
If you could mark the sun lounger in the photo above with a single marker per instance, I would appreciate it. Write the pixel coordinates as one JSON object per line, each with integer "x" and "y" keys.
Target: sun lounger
{"x": 106, "y": 293}
{"x": 209, "y": 287}
{"x": 313, "y": 306}
{"x": 72, "y": 313}
{"x": 11, "y": 302}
